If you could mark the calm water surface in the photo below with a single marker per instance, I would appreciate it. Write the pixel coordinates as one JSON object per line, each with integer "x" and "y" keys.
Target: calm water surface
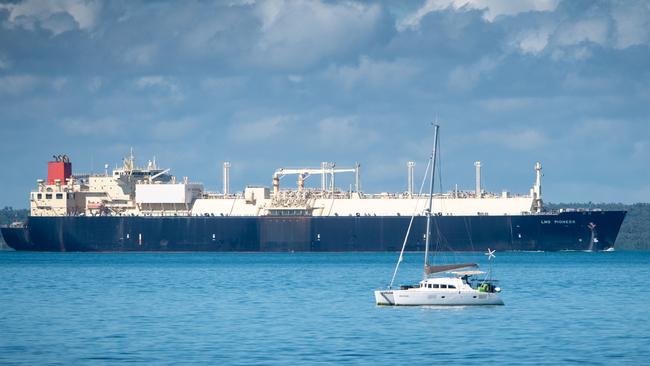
{"x": 308, "y": 308}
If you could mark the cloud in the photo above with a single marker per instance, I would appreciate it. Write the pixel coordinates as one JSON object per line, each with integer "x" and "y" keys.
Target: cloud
{"x": 102, "y": 127}
{"x": 5, "y": 63}
{"x": 95, "y": 84}
{"x": 491, "y": 9}
{"x": 466, "y": 78}
{"x": 300, "y": 33}
{"x": 568, "y": 35}
{"x": 509, "y": 103}
{"x": 295, "y": 78}
{"x": 345, "y": 132}
{"x": 533, "y": 41}
{"x": 374, "y": 73}
{"x": 170, "y": 130}
{"x": 587, "y": 30}
{"x": 57, "y": 16}
{"x": 225, "y": 85}
{"x": 140, "y": 55}
{"x": 632, "y": 23}
{"x": 164, "y": 88}
{"x": 263, "y": 129}
{"x": 528, "y": 139}
{"x": 17, "y": 84}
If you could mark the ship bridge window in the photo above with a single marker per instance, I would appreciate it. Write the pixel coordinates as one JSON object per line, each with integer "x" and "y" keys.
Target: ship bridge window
{"x": 59, "y": 196}
{"x": 443, "y": 286}
{"x": 451, "y": 286}
{"x": 48, "y": 196}
{"x": 435, "y": 285}
{"x": 39, "y": 196}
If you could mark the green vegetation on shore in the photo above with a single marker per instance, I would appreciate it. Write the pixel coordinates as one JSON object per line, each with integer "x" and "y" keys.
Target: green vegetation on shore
{"x": 634, "y": 234}
{"x": 9, "y": 215}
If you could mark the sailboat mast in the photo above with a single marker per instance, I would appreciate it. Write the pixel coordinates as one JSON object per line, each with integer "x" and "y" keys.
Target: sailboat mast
{"x": 433, "y": 170}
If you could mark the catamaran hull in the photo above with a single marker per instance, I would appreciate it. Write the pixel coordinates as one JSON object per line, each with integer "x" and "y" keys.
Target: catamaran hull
{"x": 546, "y": 232}
{"x": 384, "y": 297}
{"x": 427, "y": 297}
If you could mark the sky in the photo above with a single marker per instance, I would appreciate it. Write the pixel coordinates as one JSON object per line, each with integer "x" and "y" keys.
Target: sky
{"x": 271, "y": 84}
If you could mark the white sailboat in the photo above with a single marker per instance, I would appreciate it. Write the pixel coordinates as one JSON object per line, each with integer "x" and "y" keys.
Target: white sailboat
{"x": 442, "y": 284}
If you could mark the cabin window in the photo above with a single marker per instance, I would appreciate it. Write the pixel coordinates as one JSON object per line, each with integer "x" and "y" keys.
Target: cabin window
{"x": 59, "y": 196}
{"x": 443, "y": 286}
{"x": 48, "y": 196}
{"x": 39, "y": 196}
{"x": 451, "y": 286}
{"x": 429, "y": 286}
{"x": 435, "y": 285}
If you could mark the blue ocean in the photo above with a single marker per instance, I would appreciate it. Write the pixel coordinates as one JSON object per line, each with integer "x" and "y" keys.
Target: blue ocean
{"x": 315, "y": 308}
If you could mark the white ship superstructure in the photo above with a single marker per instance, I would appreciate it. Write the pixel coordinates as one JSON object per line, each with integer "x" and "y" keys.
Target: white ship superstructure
{"x": 150, "y": 191}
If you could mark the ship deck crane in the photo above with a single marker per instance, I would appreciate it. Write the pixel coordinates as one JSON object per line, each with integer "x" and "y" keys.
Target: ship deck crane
{"x": 304, "y": 173}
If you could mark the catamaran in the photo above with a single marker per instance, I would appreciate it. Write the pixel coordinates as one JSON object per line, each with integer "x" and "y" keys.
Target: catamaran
{"x": 450, "y": 284}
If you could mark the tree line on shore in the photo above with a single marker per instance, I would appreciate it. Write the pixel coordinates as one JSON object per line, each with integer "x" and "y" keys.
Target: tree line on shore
{"x": 634, "y": 234}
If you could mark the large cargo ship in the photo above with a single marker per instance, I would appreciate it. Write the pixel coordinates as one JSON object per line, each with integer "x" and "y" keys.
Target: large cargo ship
{"x": 148, "y": 209}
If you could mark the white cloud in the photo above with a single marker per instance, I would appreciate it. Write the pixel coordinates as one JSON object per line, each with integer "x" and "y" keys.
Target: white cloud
{"x": 534, "y": 41}
{"x": 295, "y": 78}
{"x": 465, "y": 78}
{"x": 622, "y": 25}
{"x": 641, "y": 150}
{"x": 300, "y": 33}
{"x": 170, "y": 130}
{"x": 588, "y": 30}
{"x": 632, "y": 23}
{"x": 17, "y": 84}
{"x": 163, "y": 86}
{"x": 4, "y": 63}
{"x": 225, "y": 85}
{"x": 140, "y": 55}
{"x": 263, "y": 129}
{"x": 374, "y": 73}
{"x": 509, "y": 104}
{"x": 59, "y": 83}
{"x": 491, "y": 9}
{"x": 528, "y": 139}
{"x": 103, "y": 127}
{"x": 57, "y": 16}
{"x": 25, "y": 84}
{"x": 95, "y": 84}
{"x": 345, "y": 132}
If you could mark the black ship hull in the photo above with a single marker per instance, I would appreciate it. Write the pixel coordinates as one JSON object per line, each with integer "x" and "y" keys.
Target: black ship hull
{"x": 547, "y": 232}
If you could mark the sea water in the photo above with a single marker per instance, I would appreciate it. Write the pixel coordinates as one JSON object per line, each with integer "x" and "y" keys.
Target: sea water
{"x": 315, "y": 308}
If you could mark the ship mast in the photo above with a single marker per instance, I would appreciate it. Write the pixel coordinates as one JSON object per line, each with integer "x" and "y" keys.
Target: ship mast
{"x": 428, "y": 212}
